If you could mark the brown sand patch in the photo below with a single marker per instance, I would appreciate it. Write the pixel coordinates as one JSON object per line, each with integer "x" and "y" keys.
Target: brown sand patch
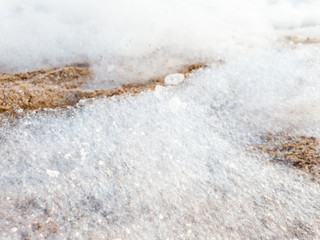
{"x": 303, "y": 40}
{"x": 300, "y": 151}
{"x": 59, "y": 87}
{"x": 192, "y": 67}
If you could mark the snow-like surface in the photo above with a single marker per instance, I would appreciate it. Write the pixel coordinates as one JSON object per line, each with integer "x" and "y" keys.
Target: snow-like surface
{"x": 175, "y": 163}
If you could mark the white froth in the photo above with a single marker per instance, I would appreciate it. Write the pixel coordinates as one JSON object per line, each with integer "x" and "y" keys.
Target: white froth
{"x": 174, "y": 79}
{"x": 140, "y": 38}
{"x": 174, "y": 163}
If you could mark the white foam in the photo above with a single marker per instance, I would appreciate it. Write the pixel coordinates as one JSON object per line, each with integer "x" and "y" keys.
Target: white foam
{"x": 174, "y": 79}
{"x": 172, "y": 163}
{"x": 175, "y": 163}
{"x": 143, "y": 38}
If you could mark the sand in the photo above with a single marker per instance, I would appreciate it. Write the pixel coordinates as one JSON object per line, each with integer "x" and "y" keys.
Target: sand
{"x": 299, "y": 151}
{"x": 60, "y": 87}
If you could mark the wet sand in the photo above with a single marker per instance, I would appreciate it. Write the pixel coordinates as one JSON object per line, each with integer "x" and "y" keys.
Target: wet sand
{"x": 60, "y": 87}
{"x": 299, "y": 151}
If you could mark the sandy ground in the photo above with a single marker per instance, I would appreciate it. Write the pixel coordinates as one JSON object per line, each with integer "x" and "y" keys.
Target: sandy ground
{"x": 60, "y": 87}
{"x": 300, "y": 151}
{"x": 302, "y": 40}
